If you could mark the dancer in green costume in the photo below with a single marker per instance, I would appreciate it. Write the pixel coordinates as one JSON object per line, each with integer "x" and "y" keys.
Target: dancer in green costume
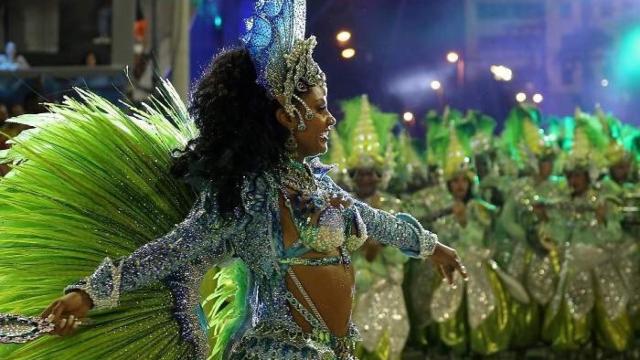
{"x": 380, "y": 312}
{"x": 521, "y": 253}
{"x": 473, "y": 316}
{"x": 590, "y": 300}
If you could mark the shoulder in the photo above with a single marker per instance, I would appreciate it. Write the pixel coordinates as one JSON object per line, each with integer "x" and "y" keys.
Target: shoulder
{"x": 318, "y": 168}
{"x": 320, "y": 172}
{"x": 256, "y": 190}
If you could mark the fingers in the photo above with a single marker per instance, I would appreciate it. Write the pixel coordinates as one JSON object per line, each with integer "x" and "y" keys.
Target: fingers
{"x": 69, "y": 324}
{"x": 441, "y": 271}
{"x": 48, "y": 310}
{"x": 56, "y": 312}
{"x": 447, "y": 273}
{"x": 58, "y": 318}
{"x": 462, "y": 269}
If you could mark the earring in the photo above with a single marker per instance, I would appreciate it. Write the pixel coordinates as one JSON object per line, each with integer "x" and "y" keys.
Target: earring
{"x": 291, "y": 145}
{"x": 302, "y": 126}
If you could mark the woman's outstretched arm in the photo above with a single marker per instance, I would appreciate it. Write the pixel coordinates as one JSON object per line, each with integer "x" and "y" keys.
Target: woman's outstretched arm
{"x": 202, "y": 237}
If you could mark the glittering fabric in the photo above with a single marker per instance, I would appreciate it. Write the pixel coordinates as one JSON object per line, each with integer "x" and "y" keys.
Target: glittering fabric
{"x": 481, "y": 301}
{"x": 589, "y": 282}
{"x": 541, "y": 280}
{"x": 204, "y": 239}
{"x": 473, "y": 314}
{"x": 380, "y": 312}
{"x": 447, "y": 300}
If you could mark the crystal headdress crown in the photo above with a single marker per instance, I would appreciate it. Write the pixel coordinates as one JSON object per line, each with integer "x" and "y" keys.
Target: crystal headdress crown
{"x": 282, "y": 56}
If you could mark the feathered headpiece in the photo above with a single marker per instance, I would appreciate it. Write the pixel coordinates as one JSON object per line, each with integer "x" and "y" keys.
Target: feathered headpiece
{"x": 457, "y": 160}
{"x": 281, "y": 54}
{"x": 587, "y": 146}
{"x": 366, "y": 133}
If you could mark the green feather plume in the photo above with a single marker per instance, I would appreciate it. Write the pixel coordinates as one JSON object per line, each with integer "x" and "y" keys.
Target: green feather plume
{"x": 91, "y": 181}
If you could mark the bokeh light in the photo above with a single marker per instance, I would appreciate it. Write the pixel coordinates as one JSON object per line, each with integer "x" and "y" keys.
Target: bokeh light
{"x": 538, "y": 98}
{"x": 628, "y": 60}
{"x": 348, "y": 53}
{"x": 343, "y": 36}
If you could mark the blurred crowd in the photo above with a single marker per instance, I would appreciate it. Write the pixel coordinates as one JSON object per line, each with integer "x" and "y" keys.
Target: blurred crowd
{"x": 545, "y": 215}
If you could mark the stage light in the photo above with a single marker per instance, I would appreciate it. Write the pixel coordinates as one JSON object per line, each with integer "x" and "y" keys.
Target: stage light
{"x": 538, "y": 98}
{"x": 217, "y": 21}
{"x": 408, "y": 116}
{"x": 501, "y": 73}
{"x": 628, "y": 60}
{"x": 348, "y": 53}
{"x": 436, "y": 85}
{"x": 604, "y": 83}
{"x": 453, "y": 57}
{"x": 343, "y": 36}
{"x": 521, "y": 97}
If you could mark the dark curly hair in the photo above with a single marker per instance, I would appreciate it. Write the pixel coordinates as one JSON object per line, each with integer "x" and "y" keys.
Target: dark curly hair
{"x": 239, "y": 133}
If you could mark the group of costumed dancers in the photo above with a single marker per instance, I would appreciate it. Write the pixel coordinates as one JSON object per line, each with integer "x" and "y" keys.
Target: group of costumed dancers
{"x": 215, "y": 231}
{"x": 545, "y": 215}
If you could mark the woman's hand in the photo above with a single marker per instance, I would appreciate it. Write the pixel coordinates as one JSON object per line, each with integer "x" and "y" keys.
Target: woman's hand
{"x": 68, "y": 312}
{"x": 448, "y": 261}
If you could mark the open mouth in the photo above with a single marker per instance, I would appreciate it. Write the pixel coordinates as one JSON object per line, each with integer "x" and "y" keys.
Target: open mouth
{"x": 324, "y": 137}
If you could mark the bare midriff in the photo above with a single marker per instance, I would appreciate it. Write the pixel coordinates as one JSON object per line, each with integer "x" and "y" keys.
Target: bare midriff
{"x": 331, "y": 287}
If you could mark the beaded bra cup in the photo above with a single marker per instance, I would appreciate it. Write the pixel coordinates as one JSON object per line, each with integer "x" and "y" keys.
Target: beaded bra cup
{"x": 334, "y": 228}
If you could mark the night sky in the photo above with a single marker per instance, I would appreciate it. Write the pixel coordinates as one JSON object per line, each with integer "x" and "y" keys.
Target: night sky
{"x": 392, "y": 39}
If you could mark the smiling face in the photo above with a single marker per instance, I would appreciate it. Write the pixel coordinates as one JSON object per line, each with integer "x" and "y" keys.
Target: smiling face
{"x": 314, "y": 139}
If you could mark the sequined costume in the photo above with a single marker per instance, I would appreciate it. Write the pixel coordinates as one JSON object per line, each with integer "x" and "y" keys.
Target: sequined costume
{"x": 627, "y": 197}
{"x": 590, "y": 293}
{"x": 525, "y": 259}
{"x": 422, "y": 278}
{"x": 203, "y": 240}
{"x": 472, "y": 315}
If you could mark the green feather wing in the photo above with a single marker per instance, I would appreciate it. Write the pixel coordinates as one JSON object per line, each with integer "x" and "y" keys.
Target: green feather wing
{"x": 90, "y": 181}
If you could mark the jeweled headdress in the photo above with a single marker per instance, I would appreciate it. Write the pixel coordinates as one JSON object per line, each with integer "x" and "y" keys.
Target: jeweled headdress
{"x": 281, "y": 54}
{"x": 366, "y": 149}
{"x": 588, "y": 146}
{"x": 457, "y": 160}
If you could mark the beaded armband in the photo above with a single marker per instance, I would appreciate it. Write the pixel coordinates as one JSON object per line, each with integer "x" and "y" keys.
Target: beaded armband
{"x": 428, "y": 240}
{"x": 103, "y": 286}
